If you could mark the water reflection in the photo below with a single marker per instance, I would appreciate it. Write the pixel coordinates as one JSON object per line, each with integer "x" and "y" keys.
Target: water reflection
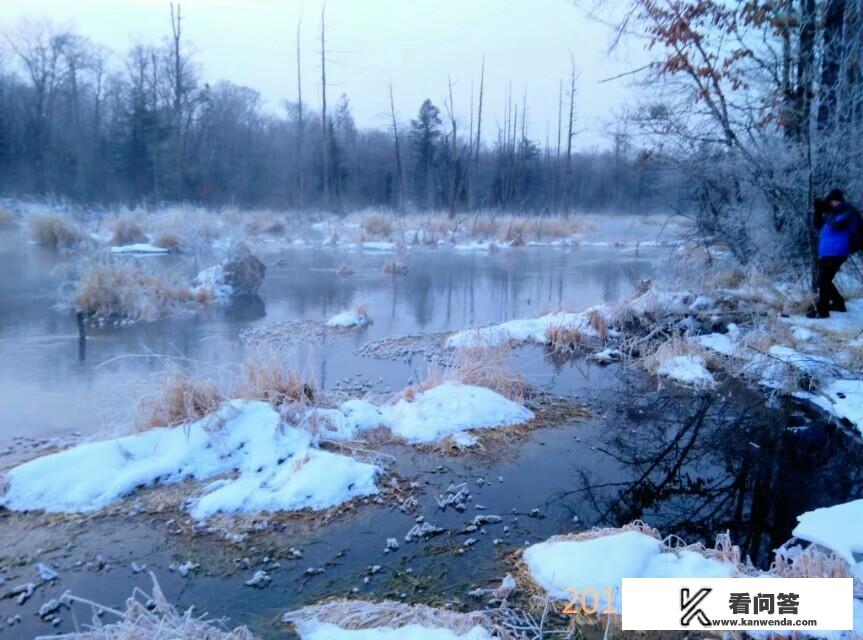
{"x": 57, "y": 378}
{"x": 698, "y": 465}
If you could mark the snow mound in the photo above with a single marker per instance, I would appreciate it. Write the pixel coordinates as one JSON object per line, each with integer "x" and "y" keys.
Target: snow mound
{"x": 833, "y": 528}
{"x": 276, "y": 468}
{"x": 349, "y": 319}
{"x": 721, "y": 343}
{"x": 140, "y": 248}
{"x": 846, "y": 401}
{"x": 315, "y": 630}
{"x": 687, "y": 369}
{"x": 432, "y": 415}
{"x": 601, "y": 563}
{"x": 212, "y": 280}
{"x": 783, "y": 366}
{"x": 530, "y": 330}
{"x": 838, "y": 324}
{"x": 656, "y": 303}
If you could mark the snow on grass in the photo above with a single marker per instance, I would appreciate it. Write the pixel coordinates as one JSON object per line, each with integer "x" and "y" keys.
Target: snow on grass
{"x": 782, "y": 367}
{"x": 350, "y": 319}
{"x": 846, "y": 401}
{"x": 315, "y": 630}
{"x": 836, "y": 528}
{"x": 276, "y": 468}
{"x": 846, "y": 324}
{"x": 140, "y": 248}
{"x": 689, "y": 370}
{"x": 719, "y": 342}
{"x": 388, "y": 620}
{"x": 602, "y": 562}
{"x": 211, "y": 282}
{"x": 533, "y": 329}
{"x": 427, "y": 416}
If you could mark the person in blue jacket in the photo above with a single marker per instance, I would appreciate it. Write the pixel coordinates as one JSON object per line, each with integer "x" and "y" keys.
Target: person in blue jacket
{"x": 837, "y": 222}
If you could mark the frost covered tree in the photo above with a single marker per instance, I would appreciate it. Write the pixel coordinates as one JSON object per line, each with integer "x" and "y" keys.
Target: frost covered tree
{"x": 758, "y": 103}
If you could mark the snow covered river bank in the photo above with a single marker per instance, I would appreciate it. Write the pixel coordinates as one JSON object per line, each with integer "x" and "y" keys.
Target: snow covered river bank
{"x": 689, "y": 463}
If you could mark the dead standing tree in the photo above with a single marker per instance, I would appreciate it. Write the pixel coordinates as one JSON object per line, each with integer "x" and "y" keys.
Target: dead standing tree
{"x": 455, "y": 154}
{"x": 325, "y": 128}
{"x": 177, "y": 66}
{"x": 300, "y": 122}
{"x": 399, "y": 170}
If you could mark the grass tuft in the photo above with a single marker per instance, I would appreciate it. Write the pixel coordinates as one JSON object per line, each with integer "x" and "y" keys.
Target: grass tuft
{"x": 53, "y": 230}
{"x": 378, "y": 225}
{"x": 126, "y": 231}
{"x": 178, "y": 399}
{"x": 123, "y": 291}
{"x": 361, "y": 614}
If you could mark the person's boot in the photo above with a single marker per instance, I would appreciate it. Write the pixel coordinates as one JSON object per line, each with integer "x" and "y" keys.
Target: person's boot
{"x": 838, "y": 306}
{"x": 815, "y": 313}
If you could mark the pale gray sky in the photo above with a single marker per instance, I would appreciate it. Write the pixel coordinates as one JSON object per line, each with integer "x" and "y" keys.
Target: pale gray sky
{"x": 416, "y": 43}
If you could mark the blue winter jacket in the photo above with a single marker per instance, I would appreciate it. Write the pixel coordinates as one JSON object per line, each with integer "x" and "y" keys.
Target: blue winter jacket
{"x": 838, "y": 227}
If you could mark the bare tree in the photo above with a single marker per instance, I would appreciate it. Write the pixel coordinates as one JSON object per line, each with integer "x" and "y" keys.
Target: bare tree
{"x": 325, "y": 125}
{"x": 399, "y": 171}
{"x": 300, "y": 123}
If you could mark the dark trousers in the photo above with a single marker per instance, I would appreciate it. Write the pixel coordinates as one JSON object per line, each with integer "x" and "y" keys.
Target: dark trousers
{"x": 828, "y": 295}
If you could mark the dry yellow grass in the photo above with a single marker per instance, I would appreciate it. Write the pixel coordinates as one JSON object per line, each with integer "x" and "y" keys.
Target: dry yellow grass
{"x": 53, "y": 230}
{"x": 361, "y": 614}
{"x": 270, "y": 376}
{"x": 486, "y": 366}
{"x": 378, "y": 225}
{"x": 167, "y": 240}
{"x": 126, "y": 230}
{"x": 118, "y": 290}
{"x": 261, "y": 223}
{"x": 564, "y": 339}
{"x": 178, "y": 399}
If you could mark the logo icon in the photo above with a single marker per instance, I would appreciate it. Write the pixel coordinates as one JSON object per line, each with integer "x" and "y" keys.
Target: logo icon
{"x": 691, "y": 610}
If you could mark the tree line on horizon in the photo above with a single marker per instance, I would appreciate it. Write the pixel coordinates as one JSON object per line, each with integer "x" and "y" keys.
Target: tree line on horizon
{"x": 81, "y": 123}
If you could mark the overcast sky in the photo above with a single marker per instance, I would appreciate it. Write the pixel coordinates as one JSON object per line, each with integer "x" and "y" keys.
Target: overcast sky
{"x": 415, "y": 43}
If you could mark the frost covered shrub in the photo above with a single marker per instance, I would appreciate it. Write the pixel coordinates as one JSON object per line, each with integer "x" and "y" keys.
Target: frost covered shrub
{"x": 126, "y": 230}
{"x": 194, "y": 227}
{"x": 152, "y": 617}
{"x": 167, "y": 240}
{"x": 179, "y": 399}
{"x": 53, "y": 230}
{"x": 378, "y": 225}
{"x": 124, "y": 291}
{"x": 265, "y": 223}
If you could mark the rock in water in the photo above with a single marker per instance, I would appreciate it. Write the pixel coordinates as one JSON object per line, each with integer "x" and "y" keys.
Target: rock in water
{"x": 243, "y": 272}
